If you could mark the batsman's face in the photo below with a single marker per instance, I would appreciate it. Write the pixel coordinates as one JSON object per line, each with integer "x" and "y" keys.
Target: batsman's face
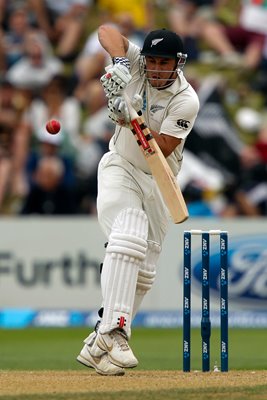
{"x": 160, "y": 72}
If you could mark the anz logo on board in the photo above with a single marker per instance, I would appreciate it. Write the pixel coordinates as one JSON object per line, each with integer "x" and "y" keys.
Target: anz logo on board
{"x": 247, "y": 273}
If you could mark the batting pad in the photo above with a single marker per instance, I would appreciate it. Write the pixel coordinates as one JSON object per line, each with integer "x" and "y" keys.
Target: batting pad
{"x": 146, "y": 274}
{"x": 125, "y": 253}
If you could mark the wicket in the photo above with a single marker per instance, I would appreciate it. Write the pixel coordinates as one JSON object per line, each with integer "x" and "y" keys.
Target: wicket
{"x": 205, "y": 319}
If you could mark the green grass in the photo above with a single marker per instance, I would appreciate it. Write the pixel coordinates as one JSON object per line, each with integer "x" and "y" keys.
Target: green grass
{"x": 47, "y": 349}
{"x": 156, "y": 349}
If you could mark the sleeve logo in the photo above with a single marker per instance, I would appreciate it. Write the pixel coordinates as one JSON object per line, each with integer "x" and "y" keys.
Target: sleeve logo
{"x": 182, "y": 123}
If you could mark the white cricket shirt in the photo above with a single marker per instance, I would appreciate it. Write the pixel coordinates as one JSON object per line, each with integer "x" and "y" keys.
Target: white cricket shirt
{"x": 171, "y": 111}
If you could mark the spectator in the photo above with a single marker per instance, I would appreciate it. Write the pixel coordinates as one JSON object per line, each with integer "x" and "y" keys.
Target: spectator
{"x": 128, "y": 28}
{"x": 254, "y": 183}
{"x": 12, "y": 40}
{"x": 47, "y": 146}
{"x": 216, "y": 141}
{"x": 55, "y": 102}
{"x": 261, "y": 142}
{"x": 187, "y": 18}
{"x": 201, "y": 185}
{"x": 52, "y": 103}
{"x": 48, "y": 195}
{"x": 7, "y": 7}
{"x": 11, "y": 107}
{"x": 142, "y": 12}
{"x": 64, "y": 22}
{"x": 241, "y": 44}
{"x": 38, "y": 66}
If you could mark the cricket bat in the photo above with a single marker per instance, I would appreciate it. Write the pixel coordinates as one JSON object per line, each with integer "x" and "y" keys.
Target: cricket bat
{"x": 160, "y": 169}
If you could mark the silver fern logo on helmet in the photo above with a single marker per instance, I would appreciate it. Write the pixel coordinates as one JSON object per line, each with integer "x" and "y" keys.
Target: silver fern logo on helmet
{"x": 155, "y": 42}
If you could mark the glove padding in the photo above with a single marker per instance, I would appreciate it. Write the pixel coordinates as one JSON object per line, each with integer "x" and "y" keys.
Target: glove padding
{"x": 115, "y": 80}
{"x": 119, "y": 112}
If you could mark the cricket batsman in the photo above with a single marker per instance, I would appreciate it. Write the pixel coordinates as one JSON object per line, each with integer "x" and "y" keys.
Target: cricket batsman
{"x": 131, "y": 211}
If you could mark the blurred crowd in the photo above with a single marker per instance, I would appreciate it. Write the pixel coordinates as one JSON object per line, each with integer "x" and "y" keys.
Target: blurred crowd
{"x": 50, "y": 65}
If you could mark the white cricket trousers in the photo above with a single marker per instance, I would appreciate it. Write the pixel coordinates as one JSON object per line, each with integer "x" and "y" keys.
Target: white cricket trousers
{"x": 120, "y": 186}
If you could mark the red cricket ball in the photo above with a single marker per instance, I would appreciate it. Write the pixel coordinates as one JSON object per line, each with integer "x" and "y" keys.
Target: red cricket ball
{"x": 53, "y": 127}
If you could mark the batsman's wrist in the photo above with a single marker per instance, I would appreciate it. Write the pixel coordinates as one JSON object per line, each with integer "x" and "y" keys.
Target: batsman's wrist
{"x": 121, "y": 60}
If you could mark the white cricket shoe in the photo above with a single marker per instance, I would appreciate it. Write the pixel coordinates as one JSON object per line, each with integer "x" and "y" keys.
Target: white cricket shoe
{"x": 102, "y": 364}
{"x": 116, "y": 345}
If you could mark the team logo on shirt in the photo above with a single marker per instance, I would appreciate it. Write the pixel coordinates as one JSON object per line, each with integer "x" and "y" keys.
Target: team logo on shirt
{"x": 155, "y": 107}
{"x": 182, "y": 123}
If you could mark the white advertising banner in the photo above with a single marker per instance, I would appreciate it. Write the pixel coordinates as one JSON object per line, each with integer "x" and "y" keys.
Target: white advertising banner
{"x": 50, "y": 263}
{"x": 53, "y": 264}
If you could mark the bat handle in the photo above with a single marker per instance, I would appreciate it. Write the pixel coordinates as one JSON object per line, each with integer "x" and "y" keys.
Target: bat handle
{"x": 133, "y": 113}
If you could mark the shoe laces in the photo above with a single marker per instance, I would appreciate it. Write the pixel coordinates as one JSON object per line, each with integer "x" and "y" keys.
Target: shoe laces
{"x": 121, "y": 340}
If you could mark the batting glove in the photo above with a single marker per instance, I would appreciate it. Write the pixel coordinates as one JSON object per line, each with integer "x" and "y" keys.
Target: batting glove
{"x": 137, "y": 103}
{"x": 117, "y": 77}
{"x": 118, "y": 111}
